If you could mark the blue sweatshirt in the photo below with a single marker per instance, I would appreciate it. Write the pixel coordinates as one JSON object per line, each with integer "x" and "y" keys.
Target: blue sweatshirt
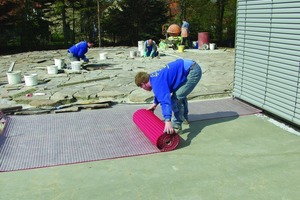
{"x": 79, "y": 50}
{"x": 166, "y": 81}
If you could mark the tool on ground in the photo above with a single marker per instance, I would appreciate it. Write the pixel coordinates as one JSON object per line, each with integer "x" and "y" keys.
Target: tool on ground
{"x": 12, "y": 65}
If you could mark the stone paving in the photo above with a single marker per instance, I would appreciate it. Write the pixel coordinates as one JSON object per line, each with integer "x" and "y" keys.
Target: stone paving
{"x": 104, "y": 81}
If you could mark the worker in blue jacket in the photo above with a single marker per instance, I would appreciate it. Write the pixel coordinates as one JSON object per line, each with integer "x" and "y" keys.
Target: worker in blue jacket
{"x": 78, "y": 51}
{"x": 170, "y": 86}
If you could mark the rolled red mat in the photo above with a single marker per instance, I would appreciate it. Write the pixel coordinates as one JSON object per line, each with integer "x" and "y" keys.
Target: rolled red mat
{"x": 153, "y": 128}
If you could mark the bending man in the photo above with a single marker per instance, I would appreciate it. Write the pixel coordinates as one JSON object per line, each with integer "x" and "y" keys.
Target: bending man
{"x": 170, "y": 86}
{"x": 78, "y": 51}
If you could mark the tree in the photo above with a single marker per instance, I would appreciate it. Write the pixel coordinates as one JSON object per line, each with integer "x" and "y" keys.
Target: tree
{"x": 136, "y": 20}
{"x": 214, "y": 16}
{"x": 9, "y": 10}
{"x": 60, "y": 10}
{"x": 33, "y": 27}
{"x": 34, "y": 23}
{"x": 102, "y": 7}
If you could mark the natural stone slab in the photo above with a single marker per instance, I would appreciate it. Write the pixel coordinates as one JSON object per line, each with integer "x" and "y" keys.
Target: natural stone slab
{"x": 71, "y": 109}
{"x": 118, "y": 87}
{"x": 83, "y": 81}
{"x": 141, "y": 96}
{"x": 114, "y": 94}
{"x": 32, "y": 111}
{"x": 64, "y": 94}
{"x": 11, "y": 109}
{"x": 27, "y": 98}
{"x": 94, "y": 106}
{"x": 44, "y": 102}
{"x": 92, "y": 101}
{"x": 88, "y": 92}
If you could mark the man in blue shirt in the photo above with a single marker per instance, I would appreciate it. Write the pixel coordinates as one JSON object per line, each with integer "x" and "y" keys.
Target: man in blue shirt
{"x": 78, "y": 51}
{"x": 170, "y": 86}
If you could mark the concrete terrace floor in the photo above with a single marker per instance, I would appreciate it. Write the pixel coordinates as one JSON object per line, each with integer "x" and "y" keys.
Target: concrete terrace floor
{"x": 249, "y": 157}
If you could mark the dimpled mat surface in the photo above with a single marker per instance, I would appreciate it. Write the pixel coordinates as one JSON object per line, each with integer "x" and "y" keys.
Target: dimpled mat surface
{"x": 34, "y": 141}
{"x": 56, "y": 139}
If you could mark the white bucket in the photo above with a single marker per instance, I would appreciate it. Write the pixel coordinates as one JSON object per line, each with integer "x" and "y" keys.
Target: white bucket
{"x": 103, "y": 56}
{"x": 212, "y": 46}
{"x": 141, "y": 45}
{"x": 30, "y": 80}
{"x": 59, "y": 63}
{"x": 52, "y": 69}
{"x": 14, "y": 77}
{"x": 75, "y": 65}
{"x": 195, "y": 44}
{"x": 132, "y": 54}
{"x": 142, "y": 53}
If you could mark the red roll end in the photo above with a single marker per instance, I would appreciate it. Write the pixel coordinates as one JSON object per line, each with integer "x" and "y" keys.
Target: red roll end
{"x": 153, "y": 128}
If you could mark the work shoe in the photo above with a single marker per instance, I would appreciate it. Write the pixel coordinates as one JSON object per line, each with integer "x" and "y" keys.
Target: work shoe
{"x": 178, "y": 130}
{"x": 186, "y": 121}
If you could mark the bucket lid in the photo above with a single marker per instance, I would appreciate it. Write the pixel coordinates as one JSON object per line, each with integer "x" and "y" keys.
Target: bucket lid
{"x": 13, "y": 72}
{"x": 52, "y": 66}
{"x": 30, "y": 75}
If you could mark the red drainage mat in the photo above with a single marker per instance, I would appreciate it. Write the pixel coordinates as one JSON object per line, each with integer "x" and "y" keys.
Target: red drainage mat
{"x": 35, "y": 141}
{"x": 153, "y": 128}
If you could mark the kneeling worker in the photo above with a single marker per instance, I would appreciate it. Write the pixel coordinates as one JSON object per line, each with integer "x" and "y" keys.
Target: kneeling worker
{"x": 150, "y": 48}
{"x": 78, "y": 51}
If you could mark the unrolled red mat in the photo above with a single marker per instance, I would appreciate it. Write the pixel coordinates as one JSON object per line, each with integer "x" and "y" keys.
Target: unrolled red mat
{"x": 153, "y": 129}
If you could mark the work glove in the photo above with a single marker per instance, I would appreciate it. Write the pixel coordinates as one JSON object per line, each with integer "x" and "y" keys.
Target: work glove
{"x": 152, "y": 54}
{"x": 145, "y": 54}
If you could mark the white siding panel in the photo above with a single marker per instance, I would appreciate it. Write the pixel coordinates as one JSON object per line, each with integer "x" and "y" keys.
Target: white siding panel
{"x": 285, "y": 3}
{"x": 283, "y": 83}
{"x": 281, "y": 103}
{"x": 284, "y": 92}
{"x": 284, "y": 68}
{"x": 267, "y": 64}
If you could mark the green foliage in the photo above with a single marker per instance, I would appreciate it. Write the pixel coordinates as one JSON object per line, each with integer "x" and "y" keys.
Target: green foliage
{"x": 122, "y": 22}
{"x": 136, "y": 20}
{"x": 205, "y": 16}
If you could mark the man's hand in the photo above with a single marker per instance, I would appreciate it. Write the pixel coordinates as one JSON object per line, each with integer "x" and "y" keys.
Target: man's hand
{"x": 152, "y": 107}
{"x": 169, "y": 128}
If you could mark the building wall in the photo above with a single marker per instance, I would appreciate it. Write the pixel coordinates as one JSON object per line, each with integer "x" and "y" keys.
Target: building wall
{"x": 267, "y": 60}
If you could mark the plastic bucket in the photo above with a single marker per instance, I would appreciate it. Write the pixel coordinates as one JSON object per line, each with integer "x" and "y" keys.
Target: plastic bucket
{"x": 59, "y": 63}
{"x": 132, "y": 54}
{"x": 14, "y": 77}
{"x": 103, "y": 56}
{"x": 142, "y": 53}
{"x": 212, "y": 46}
{"x": 53, "y": 69}
{"x": 181, "y": 48}
{"x": 203, "y": 38}
{"x": 195, "y": 44}
{"x": 76, "y": 65}
{"x": 141, "y": 45}
{"x": 31, "y": 80}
